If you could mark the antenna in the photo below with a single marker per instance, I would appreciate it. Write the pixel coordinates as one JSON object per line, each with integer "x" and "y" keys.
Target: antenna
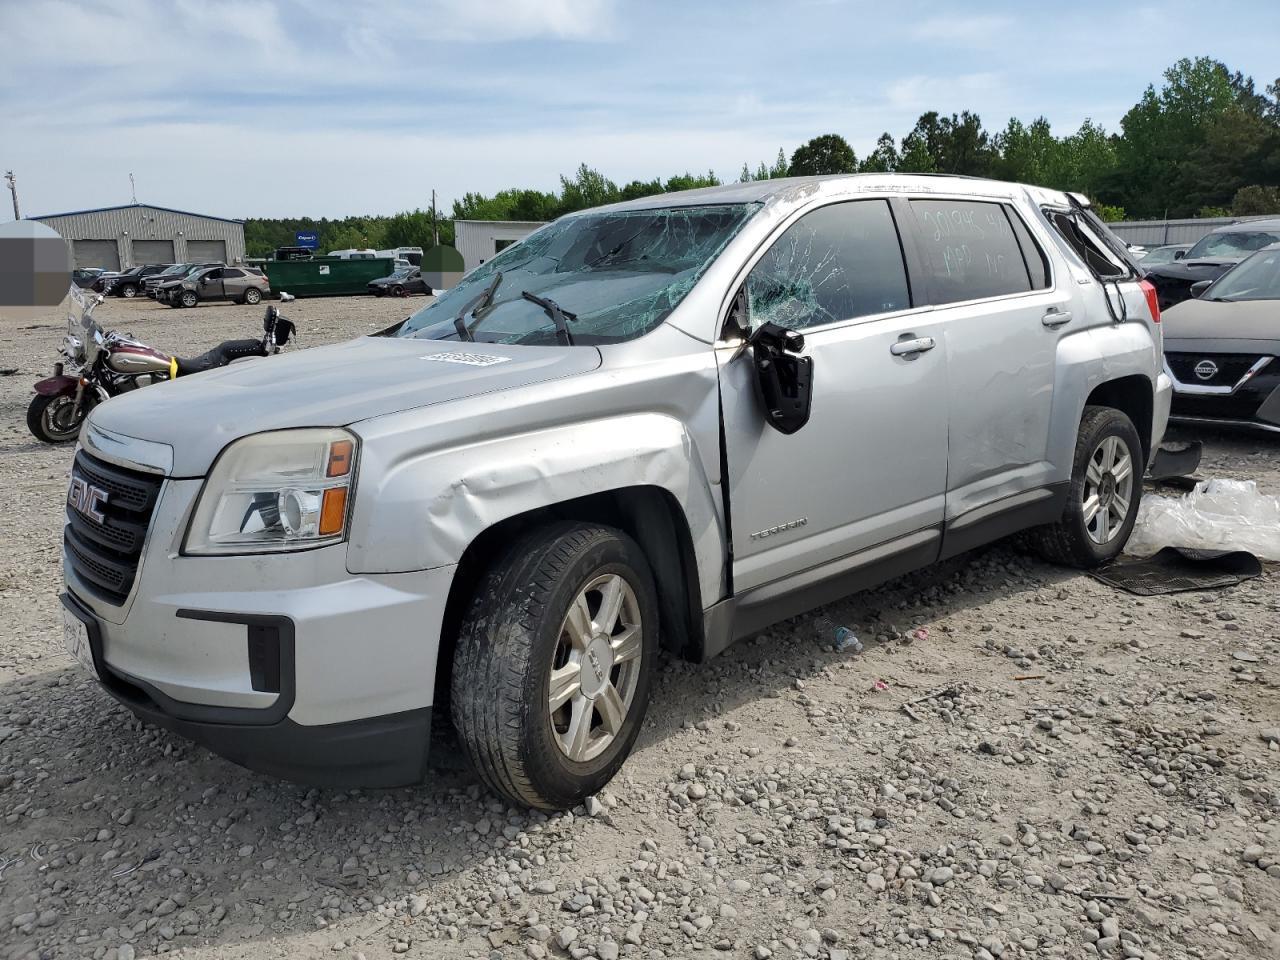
{"x": 133, "y": 190}
{"x": 13, "y": 188}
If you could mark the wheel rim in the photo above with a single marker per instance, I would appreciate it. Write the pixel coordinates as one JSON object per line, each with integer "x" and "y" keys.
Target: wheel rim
{"x": 1108, "y": 490}
{"x": 58, "y": 419}
{"x": 188, "y": 300}
{"x": 253, "y": 296}
{"x": 595, "y": 668}
{"x": 129, "y": 293}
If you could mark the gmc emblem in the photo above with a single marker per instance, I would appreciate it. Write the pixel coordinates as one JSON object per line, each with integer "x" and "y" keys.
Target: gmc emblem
{"x": 87, "y": 499}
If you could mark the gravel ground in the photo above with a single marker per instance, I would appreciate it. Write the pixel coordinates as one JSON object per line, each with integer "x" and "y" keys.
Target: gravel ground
{"x": 1021, "y": 762}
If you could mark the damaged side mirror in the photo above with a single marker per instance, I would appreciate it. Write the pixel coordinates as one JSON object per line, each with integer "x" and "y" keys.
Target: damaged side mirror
{"x": 784, "y": 380}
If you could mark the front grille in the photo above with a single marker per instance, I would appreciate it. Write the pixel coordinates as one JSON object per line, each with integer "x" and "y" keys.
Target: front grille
{"x": 105, "y": 555}
{"x": 1231, "y": 367}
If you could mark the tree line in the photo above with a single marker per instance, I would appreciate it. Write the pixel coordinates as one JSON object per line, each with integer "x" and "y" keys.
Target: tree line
{"x": 1205, "y": 143}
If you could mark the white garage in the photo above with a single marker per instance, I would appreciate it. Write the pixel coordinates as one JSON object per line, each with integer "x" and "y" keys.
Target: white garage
{"x": 478, "y": 240}
{"x": 121, "y": 237}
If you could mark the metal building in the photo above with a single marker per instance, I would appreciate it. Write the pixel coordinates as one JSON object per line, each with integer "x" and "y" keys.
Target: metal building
{"x": 478, "y": 240}
{"x": 119, "y": 237}
{"x": 1155, "y": 233}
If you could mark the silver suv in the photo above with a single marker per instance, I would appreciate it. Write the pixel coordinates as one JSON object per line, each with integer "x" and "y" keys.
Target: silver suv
{"x": 665, "y": 423}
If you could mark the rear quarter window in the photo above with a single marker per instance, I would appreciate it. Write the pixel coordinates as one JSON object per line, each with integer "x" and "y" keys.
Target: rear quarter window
{"x": 970, "y": 249}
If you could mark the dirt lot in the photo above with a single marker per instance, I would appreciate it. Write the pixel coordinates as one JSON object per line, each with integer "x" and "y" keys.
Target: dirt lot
{"x": 1089, "y": 777}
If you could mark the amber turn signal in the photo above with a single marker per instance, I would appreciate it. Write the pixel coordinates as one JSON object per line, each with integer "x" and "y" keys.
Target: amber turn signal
{"x": 339, "y": 458}
{"x": 333, "y": 511}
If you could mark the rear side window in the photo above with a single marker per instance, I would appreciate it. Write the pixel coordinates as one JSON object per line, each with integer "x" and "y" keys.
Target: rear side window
{"x": 1087, "y": 244}
{"x": 970, "y": 250}
{"x": 837, "y": 263}
{"x": 1032, "y": 253}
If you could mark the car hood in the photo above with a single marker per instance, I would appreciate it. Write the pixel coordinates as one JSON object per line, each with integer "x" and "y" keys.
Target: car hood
{"x": 1222, "y": 320}
{"x": 1203, "y": 268}
{"x": 325, "y": 387}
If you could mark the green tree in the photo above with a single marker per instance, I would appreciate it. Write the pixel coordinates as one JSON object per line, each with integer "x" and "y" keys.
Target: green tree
{"x": 883, "y": 158}
{"x": 1256, "y": 200}
{"x": 588, "y": 188}
{"x": 829, "y": 153}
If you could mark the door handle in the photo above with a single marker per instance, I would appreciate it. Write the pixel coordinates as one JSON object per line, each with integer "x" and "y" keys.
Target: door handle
{"x": 909, "y": 348}
{"x": 1056, "y": 318}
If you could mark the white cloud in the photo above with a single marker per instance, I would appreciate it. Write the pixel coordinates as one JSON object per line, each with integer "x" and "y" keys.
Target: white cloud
{"x": 964, "y": 28}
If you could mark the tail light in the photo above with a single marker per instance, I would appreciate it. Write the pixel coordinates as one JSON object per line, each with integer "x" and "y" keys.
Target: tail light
{"x": 1153, "y": 301}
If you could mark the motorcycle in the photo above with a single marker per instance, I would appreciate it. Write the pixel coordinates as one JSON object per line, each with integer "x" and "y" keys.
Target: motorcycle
{"x": 106, "y": 364}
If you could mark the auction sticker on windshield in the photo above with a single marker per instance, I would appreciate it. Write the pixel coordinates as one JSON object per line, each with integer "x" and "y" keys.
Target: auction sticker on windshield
{"x": 76, "y": 637}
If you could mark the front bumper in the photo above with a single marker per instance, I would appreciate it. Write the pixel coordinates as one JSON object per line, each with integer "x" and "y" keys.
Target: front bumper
{"x": 285, "y": 663}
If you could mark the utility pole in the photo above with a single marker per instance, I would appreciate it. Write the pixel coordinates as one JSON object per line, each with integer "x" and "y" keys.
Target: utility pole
{"x": 13, "y": 188}
{"x": 133, "y": 190}
{"x": 435, "y": 230}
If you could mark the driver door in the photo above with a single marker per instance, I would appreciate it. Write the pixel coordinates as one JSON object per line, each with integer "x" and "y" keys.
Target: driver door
{"x": 211, "y": 285}
{"x": 861, "y": 486}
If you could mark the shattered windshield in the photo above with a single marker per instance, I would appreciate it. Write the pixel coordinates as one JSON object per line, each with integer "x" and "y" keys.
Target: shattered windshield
{"x": 1230, "y": 244}
{"x": 616, "y": 275}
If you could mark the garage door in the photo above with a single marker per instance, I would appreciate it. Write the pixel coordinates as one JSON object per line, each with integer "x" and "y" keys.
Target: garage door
{"x": 211, "y": 250}
{"x": 96, "y": 253}
{"x": 152, "y": 251}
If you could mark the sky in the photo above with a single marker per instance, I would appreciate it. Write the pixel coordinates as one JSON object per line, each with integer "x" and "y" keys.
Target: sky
{"x": 243, "y": 108}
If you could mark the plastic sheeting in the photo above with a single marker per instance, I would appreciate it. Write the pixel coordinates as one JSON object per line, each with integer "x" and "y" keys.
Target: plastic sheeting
{"x": 1216, "y": 515}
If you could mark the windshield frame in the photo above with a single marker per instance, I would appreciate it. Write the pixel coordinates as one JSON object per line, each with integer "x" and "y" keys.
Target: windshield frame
{"x": 669, "y": 250}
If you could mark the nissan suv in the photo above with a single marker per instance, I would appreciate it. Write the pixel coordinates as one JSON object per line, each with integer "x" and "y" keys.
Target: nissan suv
{"x": 666, "y": 423}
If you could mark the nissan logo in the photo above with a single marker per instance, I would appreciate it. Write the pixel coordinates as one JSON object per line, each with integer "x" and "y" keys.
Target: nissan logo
{"x": 1206, "y": 369}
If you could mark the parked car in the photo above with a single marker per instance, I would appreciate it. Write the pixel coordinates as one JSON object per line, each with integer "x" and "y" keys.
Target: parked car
{"x": 83, "y": 277}
{"x": 403, "y": 282}
{"x": 1221, "y": 347}
{"x": 672, "y": 421}
{"x": 175, "y": 272}
{"x": 1166, "y": 254}
{"x": 130, "y": 283}
{"x": 239, "y": 284}
{"x": 100, "y": 282}
{"x": 1210, "y": 257}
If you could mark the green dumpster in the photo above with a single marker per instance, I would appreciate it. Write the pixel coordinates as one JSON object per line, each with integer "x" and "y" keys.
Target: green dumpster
{"x": 326, "y": 276}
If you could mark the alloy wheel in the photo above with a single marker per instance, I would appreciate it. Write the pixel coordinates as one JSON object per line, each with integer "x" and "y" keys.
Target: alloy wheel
{"x": 1108, "y": 489}
{"x": 595, "y": 668}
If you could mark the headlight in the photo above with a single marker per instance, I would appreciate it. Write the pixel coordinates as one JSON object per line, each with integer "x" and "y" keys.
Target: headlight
{"x": 278, "y": 491}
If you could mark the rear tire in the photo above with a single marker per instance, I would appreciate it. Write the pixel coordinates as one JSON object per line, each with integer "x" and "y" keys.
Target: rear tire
{"x": 1102, "y": 501}
{"x": 571, "y": 603}
{"x": 49, "y": 419}
{"x": 253, "y": 296}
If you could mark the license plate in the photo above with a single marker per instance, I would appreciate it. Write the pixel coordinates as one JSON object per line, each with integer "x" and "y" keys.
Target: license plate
{"x": 76, "y": 637}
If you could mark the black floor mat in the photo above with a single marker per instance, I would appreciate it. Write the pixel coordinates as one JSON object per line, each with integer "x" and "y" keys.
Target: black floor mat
{"x": 1176, "y": 460}
{"x": 1176, "y": 569}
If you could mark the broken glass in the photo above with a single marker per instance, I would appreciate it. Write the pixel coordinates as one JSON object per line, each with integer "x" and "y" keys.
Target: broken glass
{"x": 839, "y": 262}
{"x": 620, "y": 272}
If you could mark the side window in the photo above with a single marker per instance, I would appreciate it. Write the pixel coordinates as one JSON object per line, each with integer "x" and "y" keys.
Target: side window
{"x": 836, "y": 263}
{"x": 970, "y": 250}
{"x": 1088, "y": 247}
{"x": 231, "y": 273}
{"x": 213, "y": 275}
{"x": 1032, "y": 253}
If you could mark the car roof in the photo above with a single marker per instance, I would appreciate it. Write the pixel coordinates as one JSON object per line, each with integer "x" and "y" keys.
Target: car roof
{"x": 1266, "y": 225}
{"x": 795, "y": 188}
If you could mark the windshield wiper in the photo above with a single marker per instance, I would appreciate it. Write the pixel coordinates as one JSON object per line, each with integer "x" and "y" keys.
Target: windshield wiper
{"x": 558, "y": 316}
{"x": 476, "y": 308}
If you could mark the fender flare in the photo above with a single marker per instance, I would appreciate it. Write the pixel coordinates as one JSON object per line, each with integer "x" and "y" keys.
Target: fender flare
{"x": 60, "y": 386}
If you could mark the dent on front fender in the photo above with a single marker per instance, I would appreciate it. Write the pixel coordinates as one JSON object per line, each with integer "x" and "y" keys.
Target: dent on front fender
{"x": 423, "y": 510}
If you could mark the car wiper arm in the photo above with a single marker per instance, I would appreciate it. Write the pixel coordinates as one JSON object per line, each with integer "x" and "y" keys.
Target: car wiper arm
{"x": 558, "y": 315}
{"x": 476, "y": 307}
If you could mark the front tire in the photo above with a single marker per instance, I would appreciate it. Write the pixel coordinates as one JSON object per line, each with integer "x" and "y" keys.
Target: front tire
{"x": 553, "y": 664}
{"x": 50, "y": 418}
{"x": 188, "y": 298}
{"x": 397, "y": 291}
{"x": 1102, "y": 501}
